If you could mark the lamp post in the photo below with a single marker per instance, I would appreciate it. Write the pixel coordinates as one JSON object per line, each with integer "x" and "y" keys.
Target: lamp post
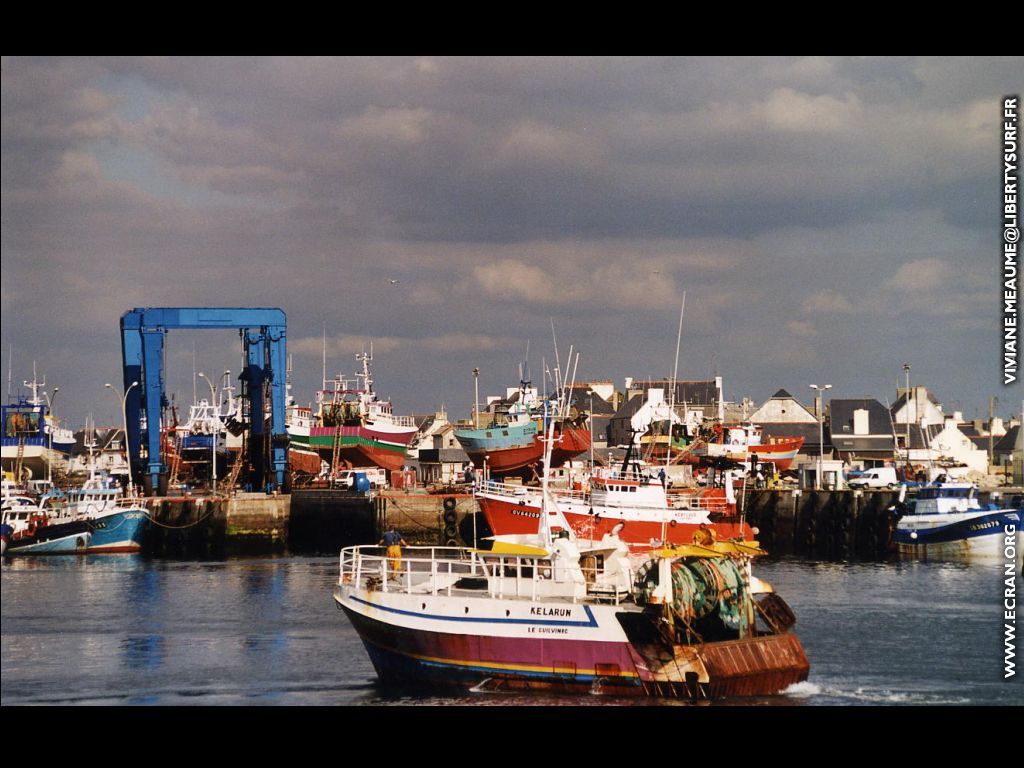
{"x": 821, "y": 432}
{"x": 49, "y": 436}
{"x": 906, "y": 415}
{"x": 476, "y": 398}
{"x": 590, "y": 420}
{"x": 124, "y": 424}
{"x": 216, "y": 429}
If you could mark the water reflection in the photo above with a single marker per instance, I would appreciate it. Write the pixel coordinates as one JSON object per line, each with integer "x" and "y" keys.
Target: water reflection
{"x": 143, "y": 651}
{"x": 131, "y": 630}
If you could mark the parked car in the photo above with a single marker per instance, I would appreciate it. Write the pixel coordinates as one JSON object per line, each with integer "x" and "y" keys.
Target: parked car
{"x": 878, "y": 477}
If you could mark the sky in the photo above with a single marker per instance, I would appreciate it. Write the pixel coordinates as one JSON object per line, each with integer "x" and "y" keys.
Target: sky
{"x": 829, "y": 219}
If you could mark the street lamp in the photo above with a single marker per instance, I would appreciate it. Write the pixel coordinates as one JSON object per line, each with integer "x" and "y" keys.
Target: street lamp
{"x": 49, "y": 435}
{"x": 590, "y": 420}
{"x": 476, "y": 398}
{"x": 124, "y": 423}
{"x": 821, "y": 432}
{"x": 216, "y": 429}
{"x": 906, "y": 415}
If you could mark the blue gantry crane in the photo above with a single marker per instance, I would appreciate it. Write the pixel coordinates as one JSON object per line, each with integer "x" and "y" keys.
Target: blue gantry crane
{"x": 263, "y": 382}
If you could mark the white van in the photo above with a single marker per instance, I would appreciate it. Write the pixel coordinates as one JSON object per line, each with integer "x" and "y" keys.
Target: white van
{"x": 879, "y": 477}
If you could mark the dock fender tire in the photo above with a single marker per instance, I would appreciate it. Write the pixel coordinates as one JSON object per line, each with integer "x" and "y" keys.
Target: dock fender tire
{"x": 449, "y": 503}
{"x": 450, "y": 517}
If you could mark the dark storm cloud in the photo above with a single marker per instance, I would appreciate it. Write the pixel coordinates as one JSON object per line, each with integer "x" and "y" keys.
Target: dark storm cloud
{"x": 786, "y": 196}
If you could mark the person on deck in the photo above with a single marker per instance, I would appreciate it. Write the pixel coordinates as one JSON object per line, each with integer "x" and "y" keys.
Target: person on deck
{"x": 394, "y": 542}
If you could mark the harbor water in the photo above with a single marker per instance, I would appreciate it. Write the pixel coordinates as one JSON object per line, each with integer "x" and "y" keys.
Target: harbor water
{"x": 129, "y": 630}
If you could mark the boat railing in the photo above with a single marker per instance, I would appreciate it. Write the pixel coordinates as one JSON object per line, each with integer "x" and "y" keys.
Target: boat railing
{"x": 697, "y": 501}
{"x": 419, "y": 569}
{"x": 440, "y": 570}
{"x": 525, "y": 491}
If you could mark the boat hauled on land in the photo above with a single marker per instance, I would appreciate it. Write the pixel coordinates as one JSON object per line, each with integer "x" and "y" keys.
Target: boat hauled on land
{"x": 353, "y": 428}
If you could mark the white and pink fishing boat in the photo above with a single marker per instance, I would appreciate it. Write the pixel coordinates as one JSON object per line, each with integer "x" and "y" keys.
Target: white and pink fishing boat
{"x": 352, "y": 427}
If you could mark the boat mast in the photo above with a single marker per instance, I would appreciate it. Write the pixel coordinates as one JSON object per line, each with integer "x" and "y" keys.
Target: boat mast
{"x": 675, "y": 371}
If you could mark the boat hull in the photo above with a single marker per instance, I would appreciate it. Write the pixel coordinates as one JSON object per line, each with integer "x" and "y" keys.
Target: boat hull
{"x": 118, "y": 532}
{"x": 61, "y": 539}
{"x": 570, "y": 442}
{"x": 511, "y": 515}
{"x": 448, "y": 642}
{"x": 780, "y": 453}
{"x": 514, "y": 450}
{"x": 360, "y": 446}
{"x": 978, "y": 535}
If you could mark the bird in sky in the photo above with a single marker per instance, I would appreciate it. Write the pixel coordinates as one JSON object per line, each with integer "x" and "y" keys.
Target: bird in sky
{"x": 393, "y": 282}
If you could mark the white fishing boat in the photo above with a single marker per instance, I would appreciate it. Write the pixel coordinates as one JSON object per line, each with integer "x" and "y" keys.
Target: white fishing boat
{"x": 549, "y": 611}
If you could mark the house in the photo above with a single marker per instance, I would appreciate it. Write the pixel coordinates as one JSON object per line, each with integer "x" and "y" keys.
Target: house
{"x": 918, "y": 406}
{"x": 949, "y": 444}
{"x": 1018, "y": 458}
{"x": 860, "y": 430}
{"x": 444, "y": 461}
{"x": 782, "y": 408}
{"x": 427, "y": 425}
{"x": 693, "y": 401}
{"x": 781, "y": 416}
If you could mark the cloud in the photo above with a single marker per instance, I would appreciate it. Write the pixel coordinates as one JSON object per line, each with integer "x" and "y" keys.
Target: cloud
{"x": 346, "y": 345}
{"x": 922, "y": 275}
{"x": 782, "y": 194}
{"x": 827, "y": 300}
{"x": 802, "y": 329}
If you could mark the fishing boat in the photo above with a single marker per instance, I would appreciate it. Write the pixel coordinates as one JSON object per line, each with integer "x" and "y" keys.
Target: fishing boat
{"x": 354, "y": 428}
{"x": 947, "y": 521}
{"x": 33, "y": 442}
{"x": 548, "y": 611}
{"x": 32, "y": 531}
{"x": 118, "y": 523}
{"x": 742, "y": 442}
{"x": 690, "y": 623}
{"x": 637, "y": 500}
{"x": 510, "y": 444}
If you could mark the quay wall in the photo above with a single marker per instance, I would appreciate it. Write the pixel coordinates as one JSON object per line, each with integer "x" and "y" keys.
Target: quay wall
{"x": 830, "y": 525}
{"x": 215, "y": 526}
{"x": 834, "y": 525}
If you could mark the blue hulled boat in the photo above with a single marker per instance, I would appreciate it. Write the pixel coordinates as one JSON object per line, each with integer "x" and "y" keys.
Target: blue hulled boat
{"x": 946, "y": 520}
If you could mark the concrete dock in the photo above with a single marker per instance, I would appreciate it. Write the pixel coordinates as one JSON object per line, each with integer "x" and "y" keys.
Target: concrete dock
{"x": 831, "y": 525}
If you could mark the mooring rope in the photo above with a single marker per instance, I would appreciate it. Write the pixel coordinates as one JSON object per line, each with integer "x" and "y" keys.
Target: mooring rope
{"x": 390, "y": 501}
{"x": 180, "y": 527}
